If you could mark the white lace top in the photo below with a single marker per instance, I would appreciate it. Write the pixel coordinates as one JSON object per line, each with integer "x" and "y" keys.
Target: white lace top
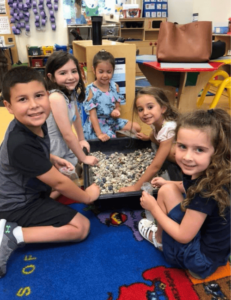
{"x": 166, "y": 132}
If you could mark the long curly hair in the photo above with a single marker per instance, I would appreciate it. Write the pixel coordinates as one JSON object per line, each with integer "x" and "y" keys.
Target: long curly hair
{"x": 170, "y": 114}
{"x": 215, "y": 180}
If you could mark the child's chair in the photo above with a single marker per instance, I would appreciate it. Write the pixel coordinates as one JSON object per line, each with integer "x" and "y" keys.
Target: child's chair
{"x": 220, "y": 84}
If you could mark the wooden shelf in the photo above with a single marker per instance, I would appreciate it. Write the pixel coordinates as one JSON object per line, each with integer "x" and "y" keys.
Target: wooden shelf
{"x": 33, "y": 56}
{"x": 153, "y": 29}
{"x": 137, "y": 28}
{"x": 38, "y": 67}
{"x": 145, "y": 28}
{"x": 41, "y": 56}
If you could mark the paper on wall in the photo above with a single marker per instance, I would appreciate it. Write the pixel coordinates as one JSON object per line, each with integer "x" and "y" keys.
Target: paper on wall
{"x": 4, "y": 25}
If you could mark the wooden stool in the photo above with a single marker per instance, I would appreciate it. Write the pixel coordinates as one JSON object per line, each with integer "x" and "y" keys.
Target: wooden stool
{"x": 220, "y": 84}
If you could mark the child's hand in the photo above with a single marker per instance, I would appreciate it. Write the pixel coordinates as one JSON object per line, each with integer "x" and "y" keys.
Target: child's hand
{"x": 103, "y": 137}
{"x": 147, "y": 201}
{"x": 60, "y": 162}
{"x": 143, "y": 136}
{"x": 93, "y": 191}
{"x": 90, "y": 160}
{"x": 115, "y": 113}
{"x": 158, "y": 181}
{"x": 126, "y": 189}
{"x": 83, "y": 144}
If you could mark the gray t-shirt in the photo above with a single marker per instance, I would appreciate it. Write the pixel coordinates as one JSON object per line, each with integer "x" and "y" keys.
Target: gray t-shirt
{"x": 23, "y": 157}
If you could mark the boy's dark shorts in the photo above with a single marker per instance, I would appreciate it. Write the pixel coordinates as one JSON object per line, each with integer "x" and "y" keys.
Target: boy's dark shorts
{"x": 41, "y": 212}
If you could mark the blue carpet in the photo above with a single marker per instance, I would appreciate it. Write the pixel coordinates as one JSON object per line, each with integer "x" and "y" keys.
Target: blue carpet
{"x": 114, "y": 262}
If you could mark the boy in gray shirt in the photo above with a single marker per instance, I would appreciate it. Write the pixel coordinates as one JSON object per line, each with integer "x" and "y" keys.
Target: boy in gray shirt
{"x": 28, "y": 172}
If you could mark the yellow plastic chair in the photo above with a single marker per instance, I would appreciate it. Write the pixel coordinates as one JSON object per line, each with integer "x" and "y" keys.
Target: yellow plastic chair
{"x": 220, "y": 84}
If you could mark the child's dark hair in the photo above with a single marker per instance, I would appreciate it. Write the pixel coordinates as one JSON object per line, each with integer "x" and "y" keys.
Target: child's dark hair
{"x": 160, "y": 96}
{"x": 103, "y": 55}
{"x": 215, "y": 181}
{"x": 21, "y": 74}
{"x": 55, "y": 62}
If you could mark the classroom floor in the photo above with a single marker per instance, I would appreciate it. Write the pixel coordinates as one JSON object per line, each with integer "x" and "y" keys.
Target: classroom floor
{"x": 223, "y": 103}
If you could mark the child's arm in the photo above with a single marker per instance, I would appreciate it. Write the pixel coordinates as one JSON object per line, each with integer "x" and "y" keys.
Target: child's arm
{"x": 116, "y": 111}
{"x": 79, "y": 130}
{"x": 161, "y": 155}
{"x": 183, "y": 232}
{"x": 60, "y": 113}
{"x": 59, "y": 162}
{"x": 144, "y": 137}
{"x": 68, "y": 188}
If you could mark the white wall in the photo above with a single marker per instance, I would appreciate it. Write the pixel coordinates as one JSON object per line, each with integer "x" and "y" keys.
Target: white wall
{"x": 212, "y": 10}
{"x": 48, "y": 37}
{"x": 181, "y": 11}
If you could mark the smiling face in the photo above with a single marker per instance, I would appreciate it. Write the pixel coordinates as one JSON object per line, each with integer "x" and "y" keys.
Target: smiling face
{"x": 67, "y": 75}
{"x": 29, "y": 104}
{"x": 149, "y": 110}
{"x": 103, "y": 73}
{"x": 193, "y": 151}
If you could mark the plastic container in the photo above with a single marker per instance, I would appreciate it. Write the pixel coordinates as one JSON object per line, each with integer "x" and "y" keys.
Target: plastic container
{"x": 70, "y": 173}
{"x": 60, "y": 47}
{"x": 34, "y": 50}
{"x": 45, "y": 60}
{"x": 124, "y": 145}
{"x": 132, "y": 13}
{"x": 147, "y": 187}
{"x": 96, "y": 30}
{"x": 37, "y": 62}
{"x": 222, "y": 30}
{"x": 47, "y": 50}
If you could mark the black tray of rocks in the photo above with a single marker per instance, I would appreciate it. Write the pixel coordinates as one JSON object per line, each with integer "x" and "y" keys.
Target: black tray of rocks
{"x": 123, "y": 145}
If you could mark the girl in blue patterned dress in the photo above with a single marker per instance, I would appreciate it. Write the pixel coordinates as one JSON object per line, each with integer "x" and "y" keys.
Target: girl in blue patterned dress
{"x": 102, "y": 102}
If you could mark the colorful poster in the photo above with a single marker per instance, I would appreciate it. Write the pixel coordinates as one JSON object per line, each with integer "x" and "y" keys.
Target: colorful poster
{"x": 2, "y": 7}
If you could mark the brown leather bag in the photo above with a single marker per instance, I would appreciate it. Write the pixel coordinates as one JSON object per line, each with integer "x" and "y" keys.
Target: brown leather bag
{"x": 188, "y": 43}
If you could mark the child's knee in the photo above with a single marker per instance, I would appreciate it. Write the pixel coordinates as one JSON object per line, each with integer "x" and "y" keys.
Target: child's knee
{"x": 84, "y": 230}
{"x": 168, "y": 188}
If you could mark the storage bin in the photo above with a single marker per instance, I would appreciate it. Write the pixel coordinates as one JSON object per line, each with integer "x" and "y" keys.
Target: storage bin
{"x": 132, "y": 13}
{"x": 222, "y": 30}
{"x": 60, "y": 47}
{"x": 37, "y": 62}
{"x": 34, "y": 50}
{"x": 47, "y": 50}
{"x": 129, "y": 200}
{"x": 45, "y": 60}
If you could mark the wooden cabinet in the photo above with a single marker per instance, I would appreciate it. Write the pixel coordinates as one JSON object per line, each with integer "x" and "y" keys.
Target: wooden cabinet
{"x": 143, "y": 32}
{"x": 143, "y": 48}
{"x": 84, "y": 51}
{"x": 143, "y": 29}
{"x": 225, "y": 38}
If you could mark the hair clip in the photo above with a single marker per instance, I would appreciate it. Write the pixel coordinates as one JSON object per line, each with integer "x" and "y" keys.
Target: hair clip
{"x": 211, "y": 112}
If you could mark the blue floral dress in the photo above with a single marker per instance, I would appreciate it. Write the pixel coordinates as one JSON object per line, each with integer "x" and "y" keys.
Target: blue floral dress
{"x": 104, "y": 103}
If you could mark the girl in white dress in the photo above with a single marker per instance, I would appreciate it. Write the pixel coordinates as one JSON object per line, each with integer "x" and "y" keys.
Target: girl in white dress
{"x": 153, "y": 108}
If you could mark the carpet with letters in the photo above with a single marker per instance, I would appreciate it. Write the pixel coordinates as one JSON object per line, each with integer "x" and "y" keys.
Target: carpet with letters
{"x": 113, "y": 263}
